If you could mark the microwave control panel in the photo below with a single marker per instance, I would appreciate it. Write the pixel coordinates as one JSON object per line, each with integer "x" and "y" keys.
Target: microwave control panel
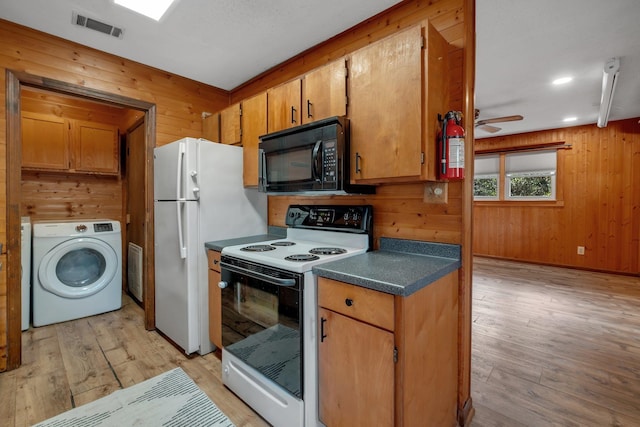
{"x": 329, "y": 161}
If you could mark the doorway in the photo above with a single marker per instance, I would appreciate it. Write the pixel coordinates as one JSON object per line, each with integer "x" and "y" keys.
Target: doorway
{"x": 14, "y": 82}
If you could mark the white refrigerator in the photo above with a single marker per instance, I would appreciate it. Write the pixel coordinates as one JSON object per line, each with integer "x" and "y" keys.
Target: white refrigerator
{"x": 198, "y": 197}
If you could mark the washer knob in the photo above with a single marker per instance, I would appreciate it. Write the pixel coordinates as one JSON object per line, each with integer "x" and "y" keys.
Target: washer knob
{"x": 81, "y": 228}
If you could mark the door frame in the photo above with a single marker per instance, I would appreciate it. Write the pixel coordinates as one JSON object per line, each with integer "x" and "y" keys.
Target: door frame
{"x": 14, "y": 81}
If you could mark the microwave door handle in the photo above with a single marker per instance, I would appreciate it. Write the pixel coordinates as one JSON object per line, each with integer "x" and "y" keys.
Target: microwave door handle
{"x": 314, "y": 171}
{"x": 262, "y": 167}
{"x": 265, "y": 277}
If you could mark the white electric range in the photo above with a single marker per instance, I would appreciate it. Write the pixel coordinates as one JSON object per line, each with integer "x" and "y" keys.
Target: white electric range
{"x": 269, "y": 310}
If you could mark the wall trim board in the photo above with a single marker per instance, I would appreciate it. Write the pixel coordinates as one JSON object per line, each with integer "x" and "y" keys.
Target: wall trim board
{"x": 14, "y": 81}
{"x": 544, "y": 146}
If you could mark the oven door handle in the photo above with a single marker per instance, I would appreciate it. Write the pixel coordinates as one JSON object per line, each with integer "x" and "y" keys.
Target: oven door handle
{"x": 270, "y": 279}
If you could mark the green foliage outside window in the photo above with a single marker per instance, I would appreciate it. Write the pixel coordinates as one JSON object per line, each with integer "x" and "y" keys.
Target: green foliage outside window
{"x": 530, "y": 186}
{"x": 485, "y": 187}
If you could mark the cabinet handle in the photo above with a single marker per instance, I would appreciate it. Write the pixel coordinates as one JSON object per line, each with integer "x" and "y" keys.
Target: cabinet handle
{"x": 358, "y": 163}
{"x": 215, "y": 262}
{"x": 309, "y": 104}
{"x": 293, "y": 114}
{"x": 348, "y": 302}
{"x": 322, "y": 335}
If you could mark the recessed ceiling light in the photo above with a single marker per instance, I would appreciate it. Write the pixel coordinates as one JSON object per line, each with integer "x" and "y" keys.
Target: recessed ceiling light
{"x": 562, "y": 80}
{"x": 154, "y": 9}
{"x": 570, "y": 119}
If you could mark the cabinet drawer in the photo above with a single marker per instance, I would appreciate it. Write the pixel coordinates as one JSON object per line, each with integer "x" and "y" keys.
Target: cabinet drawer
{"x": 373, "y": 307}
{"x": 213, "y": 260}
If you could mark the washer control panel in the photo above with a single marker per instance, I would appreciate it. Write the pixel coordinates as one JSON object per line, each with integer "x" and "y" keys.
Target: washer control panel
{"x": 102, "y": 227}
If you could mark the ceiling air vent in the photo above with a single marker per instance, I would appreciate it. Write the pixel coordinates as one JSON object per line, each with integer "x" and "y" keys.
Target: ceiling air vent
{"x": 93, "y": 24}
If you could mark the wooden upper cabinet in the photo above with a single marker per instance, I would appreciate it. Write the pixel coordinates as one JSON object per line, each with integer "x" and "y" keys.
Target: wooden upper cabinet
{"x": 211, "y": 127}
{"x": 96, "y": 148}
{"x": 45, "y": 142}
{"x": 397, "y": 88}
{"x": 283, "y": 109}
{"x": 230, "y": 130}
{"x": 254, "y": 125}
{"x": 325, "y": 92}
{"x": 53, "y": 143}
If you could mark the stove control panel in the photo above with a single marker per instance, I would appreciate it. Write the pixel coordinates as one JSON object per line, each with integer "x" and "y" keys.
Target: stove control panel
{"x": 349, "y": 218}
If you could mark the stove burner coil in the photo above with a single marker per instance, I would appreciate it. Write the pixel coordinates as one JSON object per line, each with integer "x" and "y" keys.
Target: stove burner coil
{"x": 258, "y": 248}
{"x": 283, "y": 243}
{"x": 327, "y": 251}
{"x": 302, "y": 257}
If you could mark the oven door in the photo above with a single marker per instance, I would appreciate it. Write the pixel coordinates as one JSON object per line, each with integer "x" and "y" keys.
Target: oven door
{"x": 261, "y": 313}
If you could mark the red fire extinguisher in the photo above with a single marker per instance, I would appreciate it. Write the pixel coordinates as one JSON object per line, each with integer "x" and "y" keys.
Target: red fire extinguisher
{"x": 451, "y": 147}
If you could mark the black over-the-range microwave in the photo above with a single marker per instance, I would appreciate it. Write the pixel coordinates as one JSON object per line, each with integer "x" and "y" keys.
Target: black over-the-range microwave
{"x": 308, "y": 158}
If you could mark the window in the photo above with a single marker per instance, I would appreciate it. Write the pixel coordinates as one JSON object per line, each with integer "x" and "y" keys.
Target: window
{"x": 527, "y": 175}
{"x": 486, "y": 180}
{"x": 530, "y": 175}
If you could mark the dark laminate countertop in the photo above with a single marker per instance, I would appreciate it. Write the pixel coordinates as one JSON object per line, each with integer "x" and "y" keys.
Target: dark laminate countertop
{"x": 400, "y": 267}
{"x": 274, "y": 233}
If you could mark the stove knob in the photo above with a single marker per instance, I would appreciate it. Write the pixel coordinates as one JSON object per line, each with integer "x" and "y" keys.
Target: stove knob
{"x": 222, "y": 285}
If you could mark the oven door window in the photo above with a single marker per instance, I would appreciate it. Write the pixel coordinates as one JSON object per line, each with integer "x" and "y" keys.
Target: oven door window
{"x": 261, "y": 326}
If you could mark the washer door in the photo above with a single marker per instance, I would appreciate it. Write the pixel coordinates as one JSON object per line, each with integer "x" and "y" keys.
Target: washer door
{"x": 78, "y": 268}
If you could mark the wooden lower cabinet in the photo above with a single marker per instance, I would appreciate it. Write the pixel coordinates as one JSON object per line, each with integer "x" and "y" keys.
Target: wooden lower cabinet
{"x": 388, "y": 360}
{"x": 215, "y": 299}
{"x": 356, "y": 368}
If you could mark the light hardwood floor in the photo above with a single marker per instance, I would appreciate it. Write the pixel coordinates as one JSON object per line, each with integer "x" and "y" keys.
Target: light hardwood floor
{"x": 551, "y": 347}
{"x": 554, "y": 346}
{"x": 72, "y": 363}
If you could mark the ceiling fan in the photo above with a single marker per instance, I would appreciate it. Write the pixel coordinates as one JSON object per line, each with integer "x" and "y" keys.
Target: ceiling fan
{"x": 485, "y": 124}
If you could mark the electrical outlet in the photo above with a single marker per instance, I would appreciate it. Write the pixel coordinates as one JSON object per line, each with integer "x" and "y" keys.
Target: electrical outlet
{"x": 580, "y": 250}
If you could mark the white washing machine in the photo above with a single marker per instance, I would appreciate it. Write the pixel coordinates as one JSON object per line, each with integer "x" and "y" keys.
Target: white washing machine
{"x": 77, "y": 269}
{"x": 25, "y": 258}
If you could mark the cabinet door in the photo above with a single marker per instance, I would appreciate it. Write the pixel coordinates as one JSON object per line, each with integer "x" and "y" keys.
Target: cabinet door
{"x": 96, "y": 148}
{"x": 385, "y": 108}
{"x": 325, "y": 92}
{"x": 211, "y": 127}
{"x": 254, "y": 125}
{"x": 45, "y": 142}
{"x": 230, "y": 125}
{"x": 283, "y": 110}
{"x": 355, "y": 372}
{"x": 215, "y": 309}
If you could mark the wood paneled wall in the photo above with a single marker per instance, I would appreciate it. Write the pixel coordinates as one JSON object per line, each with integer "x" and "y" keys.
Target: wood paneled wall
{"x": 178, "y": 101}
{"x": 399, "y": 211}
{"x": 600, "y": 176}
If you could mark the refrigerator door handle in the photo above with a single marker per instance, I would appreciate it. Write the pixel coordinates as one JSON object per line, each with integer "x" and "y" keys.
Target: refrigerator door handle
{"x": 179, "y": 171}
{"x": 181, "y": 245}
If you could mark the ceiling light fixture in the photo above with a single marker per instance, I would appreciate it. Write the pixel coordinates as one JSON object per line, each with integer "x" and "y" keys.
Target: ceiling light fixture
{"x": 609, "y": 81}
{"x": 562, "y": 80}
{"x": 153, "y": 9}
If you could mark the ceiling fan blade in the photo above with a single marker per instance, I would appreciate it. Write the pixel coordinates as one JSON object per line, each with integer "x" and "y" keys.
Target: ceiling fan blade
{"x": 499, "y": 120}
{"x": 489, "y": 128}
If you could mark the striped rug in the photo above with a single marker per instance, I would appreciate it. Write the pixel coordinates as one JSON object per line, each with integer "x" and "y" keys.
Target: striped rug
{"x": 170, "y": 399}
